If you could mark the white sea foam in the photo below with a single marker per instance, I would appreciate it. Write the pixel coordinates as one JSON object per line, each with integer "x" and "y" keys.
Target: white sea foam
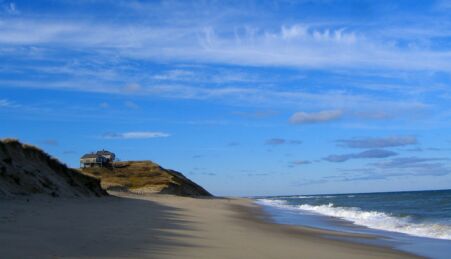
{"x": 295, "y": 197}
{"x": 275, "y": 203}
{"x": 372, "y": 219}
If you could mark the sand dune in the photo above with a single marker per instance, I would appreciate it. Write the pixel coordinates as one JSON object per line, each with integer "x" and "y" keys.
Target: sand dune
{"x": 27, "y": 170}
{"x": 143, "y": 177}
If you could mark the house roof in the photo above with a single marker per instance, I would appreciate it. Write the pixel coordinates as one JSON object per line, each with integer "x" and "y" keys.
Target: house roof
{"x": 104, "y": 152}
{"x": 97, "y": 154}
{"x": 89, "y": 156}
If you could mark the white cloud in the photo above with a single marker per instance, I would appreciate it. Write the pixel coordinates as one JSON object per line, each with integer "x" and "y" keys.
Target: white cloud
{"x": 4, "y": 103}
{"x": 300, "y": 162}
{"x": 132, "y": 88}
{"x": 11, "y": 8}
{"x": 295, "y": 31}
{"x": 372, "y": 153}
{"x": 208, "y": 74}
{"x": 136, "y": 135}
{"x": 315, "y": 117}
{"x": 383, "y": 142}
{"x": 300, "y": 45}
{"x": 281, "y": 141}
{"x": 176, "y": 74}
{"x": 190, "y": 39}
{"x": 332, "y": 102}
{"x": 131, "y": 105}
{"x": 104, "y": 105}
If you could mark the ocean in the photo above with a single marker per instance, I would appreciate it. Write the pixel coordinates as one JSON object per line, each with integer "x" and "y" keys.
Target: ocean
{"x": 418, "y": 222}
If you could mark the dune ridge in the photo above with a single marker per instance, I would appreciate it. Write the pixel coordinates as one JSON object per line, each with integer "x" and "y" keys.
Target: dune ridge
{"x": 27, "y": 170}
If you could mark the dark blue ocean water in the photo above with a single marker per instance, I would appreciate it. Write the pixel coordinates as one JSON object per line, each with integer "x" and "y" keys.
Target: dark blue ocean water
{"x": 418, "y": 222}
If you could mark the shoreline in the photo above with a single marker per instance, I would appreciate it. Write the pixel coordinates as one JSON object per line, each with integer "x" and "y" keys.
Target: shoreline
{"x": 164, "y": 226}
{"x": 412, "y": 232}
{"x": 259, "y": 216}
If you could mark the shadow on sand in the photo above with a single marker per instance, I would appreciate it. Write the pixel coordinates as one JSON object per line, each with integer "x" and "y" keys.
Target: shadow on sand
{"x": 95, "y": 227}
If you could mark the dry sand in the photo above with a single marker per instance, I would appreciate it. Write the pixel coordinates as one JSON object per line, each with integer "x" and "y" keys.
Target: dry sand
{"x": 161, "y": 226}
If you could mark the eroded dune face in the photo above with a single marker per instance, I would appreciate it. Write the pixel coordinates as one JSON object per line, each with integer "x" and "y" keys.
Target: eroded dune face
{"x": 27, "y": 170}
{"x": 145, "y": 177}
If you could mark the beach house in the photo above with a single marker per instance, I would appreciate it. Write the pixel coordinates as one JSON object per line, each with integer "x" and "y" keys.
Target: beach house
{"x": 102, "y": 158}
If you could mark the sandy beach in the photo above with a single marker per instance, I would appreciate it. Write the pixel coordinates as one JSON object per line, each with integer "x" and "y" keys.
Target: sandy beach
{"x": 206, "y": 129}
{"x": 162, "y": 226}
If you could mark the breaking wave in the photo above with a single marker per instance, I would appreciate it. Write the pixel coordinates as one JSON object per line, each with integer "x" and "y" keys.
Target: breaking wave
{"x": 371, "y": 219}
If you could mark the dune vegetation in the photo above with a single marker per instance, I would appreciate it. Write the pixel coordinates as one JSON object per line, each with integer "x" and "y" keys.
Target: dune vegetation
{"x": 27, "y": 170}
{"x": 144, "y": 177}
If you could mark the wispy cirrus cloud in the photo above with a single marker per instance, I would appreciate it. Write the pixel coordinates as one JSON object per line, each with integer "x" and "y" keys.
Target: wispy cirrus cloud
{"x": 135, "y": 135}
{"x": 423, "y": 149}
{"x": 4, "y": 103}
{"x": 203, "y": 37}
{"x": 330, "y": 100}
{"x": 332, "y": 104}
{"x": 207, "y": 74}
{"x": 299, "y": 163}
{"x": 281, "y": 141}
{"x": 412, "y": 163}
{"x": 387, "y": 169}
{"x": 372, "y": 153}
{"x": 10, "y": 8}
{"x": 104, "y": 105}
{"x": 131, "y": 105}
{"x": 133, "y": 88}
{"x": 315, "y": 117}
{"x": 296, "y": 44}
{"x": 175, "y": 75}
{"x": 381, "y": 142}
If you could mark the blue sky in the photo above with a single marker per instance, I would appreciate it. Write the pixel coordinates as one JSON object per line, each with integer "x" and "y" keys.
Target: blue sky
{"x": 244, "y": 97}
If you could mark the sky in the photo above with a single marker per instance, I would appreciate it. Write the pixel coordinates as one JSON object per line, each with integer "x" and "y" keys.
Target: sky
{"x": 244, "y": 97}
